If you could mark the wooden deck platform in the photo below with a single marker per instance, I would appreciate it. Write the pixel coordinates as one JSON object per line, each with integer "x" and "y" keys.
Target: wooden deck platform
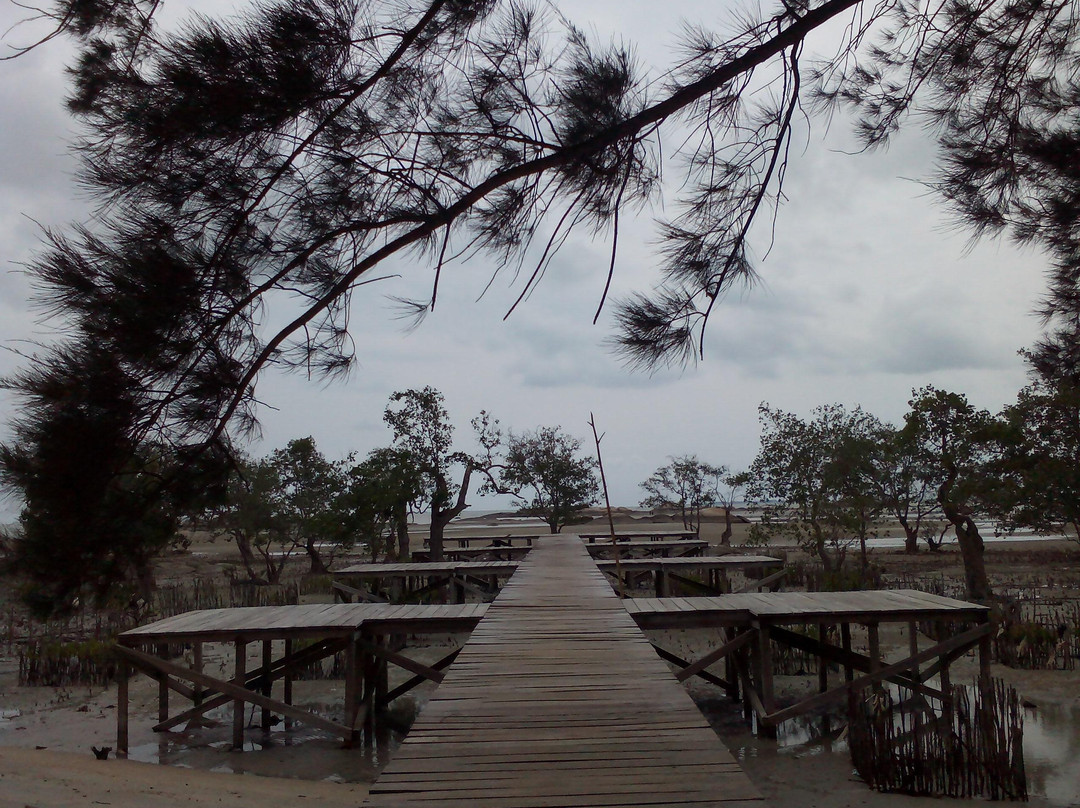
{"x": 403, "y": 581}
{"x": 750, "y": 623}
{"x": 779, "y": 608}
{"x": 559, "y": 700}
{"x": 358, "y": 629}
{"x": 658, "y": 548}
{"x": 659, "y": 534}
{"x": 487, "y": 552}
{"x": 714, "y": 569}
{"x": 507, "y": 540}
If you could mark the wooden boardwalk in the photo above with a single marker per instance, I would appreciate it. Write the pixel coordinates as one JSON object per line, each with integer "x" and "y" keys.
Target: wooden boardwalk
{"x": 558, "y": 699}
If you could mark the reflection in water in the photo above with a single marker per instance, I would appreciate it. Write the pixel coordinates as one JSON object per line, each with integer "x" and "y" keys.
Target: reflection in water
{"x": 1052, "y": 752}
{"x": 301, "y": 751}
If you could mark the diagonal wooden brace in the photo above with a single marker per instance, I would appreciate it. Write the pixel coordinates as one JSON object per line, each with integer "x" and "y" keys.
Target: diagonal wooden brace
{"x": 766, "y": 582}
{"x": 362, "y": 595}
{"x": 730, "y": 647}
{"x": 962, "y": 641}
{"x": 408, "y": 685}
{"x": 234, "y": 691}
{"x": 402, "y": 661}
{"x": 850, "y": 659}
{"x": 256, "y": 678}
{"x": 708, "y": 677}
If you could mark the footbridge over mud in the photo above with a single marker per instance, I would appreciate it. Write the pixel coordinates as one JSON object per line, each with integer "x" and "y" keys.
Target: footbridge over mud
{"x": 558, "y": 699}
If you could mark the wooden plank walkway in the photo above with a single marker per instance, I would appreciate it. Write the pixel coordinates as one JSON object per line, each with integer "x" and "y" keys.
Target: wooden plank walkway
{"x": 558, "y": 699}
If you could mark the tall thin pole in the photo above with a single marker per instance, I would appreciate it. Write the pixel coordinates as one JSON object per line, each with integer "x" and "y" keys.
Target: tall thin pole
{"x": 607, "y": 503}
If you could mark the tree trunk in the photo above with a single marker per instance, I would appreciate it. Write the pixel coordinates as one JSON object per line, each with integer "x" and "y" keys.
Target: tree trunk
{"x": 247, "y": 557}
{"x": 827, "y": 564}
{"x": 441, "y": 518}
{"x": 318, "y": 566}
{"x": 144, "y": 574}
{"x": 911, "y": 536}
{"x": 401, "y": 529}
{"x": 725, "y": 537}
{"x": 971, "y": 544}
{"x": 971, "y": 550}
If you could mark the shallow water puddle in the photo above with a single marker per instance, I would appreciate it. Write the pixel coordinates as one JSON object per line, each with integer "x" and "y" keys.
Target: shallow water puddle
{"x": 301, "y": 752}
{"x": 1052, "y": 753}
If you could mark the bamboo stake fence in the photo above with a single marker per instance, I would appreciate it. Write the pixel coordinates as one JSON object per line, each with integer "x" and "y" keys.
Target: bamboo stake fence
{"x": 973, "y": 747}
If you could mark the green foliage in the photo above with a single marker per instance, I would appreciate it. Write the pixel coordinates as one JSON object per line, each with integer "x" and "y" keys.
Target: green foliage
{"x": 421, "y": 426}
{"x": 954, "y": 445}
{"x": 293, "y": 500}
{"x": 313, "y": 501}
{"x": 815, "y": 480}
{"x": 686, "y": 484}
{"x": 422, "y": 429}
{"x": 250, "y": 516}
{"x": 382, "y": 490}
{"x": 904, "y": 483}
{"x": 546, "y": 462}
{"x": 252, "y": 166}
{"x": 52, "y": 663}
{"x": 98, "y": 505}
{"x": 1026, "y": 645}
{"x": 1039, "y": 470}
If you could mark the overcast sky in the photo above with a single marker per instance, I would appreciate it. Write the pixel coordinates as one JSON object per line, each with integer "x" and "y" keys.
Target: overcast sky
{"x": 866, "y": 293}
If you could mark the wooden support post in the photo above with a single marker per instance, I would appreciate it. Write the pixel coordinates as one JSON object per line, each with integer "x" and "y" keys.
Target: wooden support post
{"x": 240, "y": 678}
{"x": 163, "y": 698}
{"x": 268, "y": 684}
{"x": 873, "y": 639}
{"x": 369, "y": 671}
{"x": 123, "y": 673}
{"x": 946, "y": 694}
{"x": 913, "y": 648}
{"x": 162, "y": 650}
{"x": 287, "y": 685}
{"x": 197, "y": 666}
{"x": 353, "y": 685}
{"x": 661, "y": 584}
{"x": 823, "y": 664}
{"x": 849, "y": 673}
{"x": 382, "y": 682}
{"x": 765, "y": 678}
{"x": 873, "y": 642}
{"x": 731, "y": 669}
{"x": 984, "y": 657}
